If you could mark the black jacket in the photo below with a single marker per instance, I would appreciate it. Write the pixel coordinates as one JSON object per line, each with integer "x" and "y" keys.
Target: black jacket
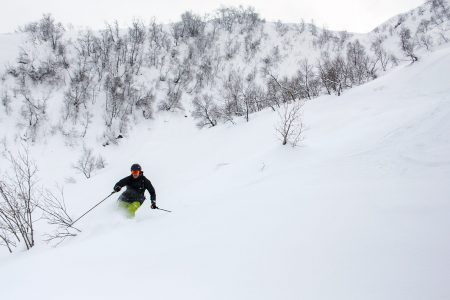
{"x": 136, "y": 188}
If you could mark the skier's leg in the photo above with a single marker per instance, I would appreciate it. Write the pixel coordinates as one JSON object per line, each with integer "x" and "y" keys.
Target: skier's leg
{"x": 123, "y": 204}
{"x": 123, "y": 207}
{"x": 133, "y": 207}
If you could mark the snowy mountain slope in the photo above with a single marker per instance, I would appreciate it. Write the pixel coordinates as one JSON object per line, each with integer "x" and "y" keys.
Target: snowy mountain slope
{"x": 174, "y": 66}
{"x": 359, "y": 211}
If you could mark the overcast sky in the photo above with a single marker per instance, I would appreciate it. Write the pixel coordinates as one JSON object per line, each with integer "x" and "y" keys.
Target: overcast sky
{"x": 351, "y": 15}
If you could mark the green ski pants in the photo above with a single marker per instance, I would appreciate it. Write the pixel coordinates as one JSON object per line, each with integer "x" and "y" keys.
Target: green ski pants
{"x": 130, "y": 208}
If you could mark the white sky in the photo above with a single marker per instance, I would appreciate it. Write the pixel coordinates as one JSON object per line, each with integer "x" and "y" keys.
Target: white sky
{"x": 352, "y": 15}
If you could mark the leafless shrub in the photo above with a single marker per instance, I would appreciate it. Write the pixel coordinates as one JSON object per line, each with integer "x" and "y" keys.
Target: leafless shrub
{"x": 232, "y": 47}
{"x": 56, "y": 213}
{"x": 88, "y": 163}
{"x": 423, "y": 26}
{"x": 206, "y": 111}
{"x": 381, "y": 54}
{"x": 290, "y": 126}
{"x": 232, "y": 93}
{"x": 324, "y": 37}
{"x": 407, "y": 44}
{"x": 136, "y": 40}
{"x": 33, "y": 113}
{"x": 333, "y": 74}
{"x": 45, "y": 30}
{"x": 206, "y": 74}
{"x": 100, "y": 162}
{"x": 440, "y": 10}
{"x": 192, "y": 24}
{"x": 28, "y": 69}
{"x": 300, "y": 27}
{"x": 6, "y": 102}
{"x": 252, "y": 96}
{"x": 309, "y": 83}
{"x": 424, "y": 40}
{"x": 252, "y": 44}
{"x": 7, "y": 238}
{"x": 79, "y": 92}
{"x": 343, "y": 37}
{"x": 176, "y": 30}
{"x": 358, "y": 63}
{"x": 443, "y": 38}
{"x": 159, "y": 44}
{"x": 281, "y": 28}
{"x": 173, "y": 98}
{"x": 229, "y": 18}
{"x": 19, "y": 200}
{"x": 115, "y": 89}
{"x": 312, "y": 28}
{"x": 144, "y": 101}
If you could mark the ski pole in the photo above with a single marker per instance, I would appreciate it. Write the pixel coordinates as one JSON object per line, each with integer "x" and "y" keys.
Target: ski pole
{"x": 163, "y": 209}
{"x": 91, "y": 209}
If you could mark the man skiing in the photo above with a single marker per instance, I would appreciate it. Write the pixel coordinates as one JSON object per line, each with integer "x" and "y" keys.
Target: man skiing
{"x": 136, "y": 185}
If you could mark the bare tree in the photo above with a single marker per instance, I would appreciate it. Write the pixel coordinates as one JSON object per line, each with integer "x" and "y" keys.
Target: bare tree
{"x": 300, "y": 28}
{"x": 357, "y": 63}
{"x": 343, "y": 37}
{"x": 206, "y": 111}
{"x": 312, "y": 28}
{"x": 177, "y": 31}
{"x": 18, "y": 192}
{"x": 407, "y": 44}
{"x": 7, "y": 238}
{"x": 232, "y": 94}
{"x": 159, "y": 44}
{"x": 290, "y": 126}
{"x": 136, "y": 40}
{"x": 172, "y": 101}
{"x": 192, "y": 24}
{"x": 85, "y": 43}
{"x": 144, "y": 101}
{"x": 79, "y": 92}
{"x": 37, "y": 70}
{"x": 381, "y": 54}
{"x": 281, "y": 28}
{"x": 252, "y": 44}
{"x": 115, "y": 89}
{"x": 333, "y": 74}
{"x": 232, "y": 47}
{"x": 424, "y": 40}
{"x": 440, "y": 10}
{"x": 6, "y": 102}
{"x": 324, "y": 37}
{"x": 226, "y": 18}
{"x": 46, "y": 30}
{"x": 88, "y": 163}
{"x": 308, "y": 80}
{"x": 56, "y": 213}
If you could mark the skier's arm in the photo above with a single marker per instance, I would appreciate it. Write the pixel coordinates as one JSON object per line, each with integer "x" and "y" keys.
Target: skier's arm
{"x": 120, "y": 184}
{"x": 151, "y": 190}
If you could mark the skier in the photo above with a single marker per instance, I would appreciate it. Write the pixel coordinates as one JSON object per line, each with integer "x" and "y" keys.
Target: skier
{"x": 136, "y": 185}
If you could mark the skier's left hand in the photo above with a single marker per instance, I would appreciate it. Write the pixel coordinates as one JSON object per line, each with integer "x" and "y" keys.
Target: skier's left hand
{"x": 154, "y": 205}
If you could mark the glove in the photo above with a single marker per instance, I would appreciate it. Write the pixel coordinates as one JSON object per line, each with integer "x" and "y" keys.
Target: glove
{"x": 117, "y": 188}
{"x": 153, "y": 206}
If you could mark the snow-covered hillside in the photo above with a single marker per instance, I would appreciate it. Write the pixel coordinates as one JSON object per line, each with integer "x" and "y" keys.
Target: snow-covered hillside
{"x": 360, "y": 210}
{"x": 90, "y": 87}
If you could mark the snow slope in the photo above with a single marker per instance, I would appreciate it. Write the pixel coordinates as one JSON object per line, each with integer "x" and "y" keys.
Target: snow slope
{"x": 360, "y": 211}
{"x": 207, "y": 61}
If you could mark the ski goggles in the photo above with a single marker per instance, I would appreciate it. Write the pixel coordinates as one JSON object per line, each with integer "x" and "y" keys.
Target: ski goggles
{"x": 135, "y": 172}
